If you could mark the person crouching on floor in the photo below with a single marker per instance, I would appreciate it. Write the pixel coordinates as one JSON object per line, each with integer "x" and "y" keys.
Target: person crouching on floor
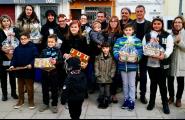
{"x": 75, "y": 87}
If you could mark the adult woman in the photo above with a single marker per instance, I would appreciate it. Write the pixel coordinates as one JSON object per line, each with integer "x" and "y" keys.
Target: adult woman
{"x": 8, "y": 39}
{"x": 113, "y": 32}
{"x": 28, "y": 21}
{"x": 158, "y": 65}
{"x": 177, "y": 61}
{"x": 51, "y": 27}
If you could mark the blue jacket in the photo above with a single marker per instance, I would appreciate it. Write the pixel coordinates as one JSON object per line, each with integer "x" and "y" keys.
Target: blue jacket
{"x": 127, "y": 66}
{"x": 24, "y": 55}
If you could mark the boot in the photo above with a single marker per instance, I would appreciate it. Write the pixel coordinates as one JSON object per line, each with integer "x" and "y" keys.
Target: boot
{"x": 166, "y": 109}
{"x": 4, "y": 98}
{"x": 14, "y": 95}
{"x": 178, "y": 103}
{"x": 171, "y": 100}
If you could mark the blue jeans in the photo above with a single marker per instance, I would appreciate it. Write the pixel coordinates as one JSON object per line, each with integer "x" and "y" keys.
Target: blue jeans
{"x": 128, "y": 79}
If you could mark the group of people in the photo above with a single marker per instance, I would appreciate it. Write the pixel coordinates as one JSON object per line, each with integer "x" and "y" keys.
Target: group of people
{"x": 108, "y": 68}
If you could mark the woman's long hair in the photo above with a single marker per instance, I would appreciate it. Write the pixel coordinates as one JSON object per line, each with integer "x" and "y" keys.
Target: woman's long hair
{"x": 33, "y": 17}
{"x": 174, "y": 31}
{"x": 118, "y": 28}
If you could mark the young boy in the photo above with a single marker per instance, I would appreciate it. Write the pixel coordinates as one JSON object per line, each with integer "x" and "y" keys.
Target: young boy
{"x": 50, "y": 78}
{"x": 24, "y": 56}
{"x": 74, "y": 89}
{"x": 105, "y": 69}
{"x": 128, "y": 69}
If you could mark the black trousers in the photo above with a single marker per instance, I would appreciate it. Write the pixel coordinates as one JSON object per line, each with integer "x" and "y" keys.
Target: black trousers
{"x": 50, "y": 83}
{"x": 12, "y": 80}
{"x": 142, "y": 77}
{"x": 158, "y": 77}
{"x": 75, "y": 108}
{"x": 180, "y": 86}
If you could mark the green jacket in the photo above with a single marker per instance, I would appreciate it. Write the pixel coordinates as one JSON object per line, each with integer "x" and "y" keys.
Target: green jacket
{"x": 104, "y": 69}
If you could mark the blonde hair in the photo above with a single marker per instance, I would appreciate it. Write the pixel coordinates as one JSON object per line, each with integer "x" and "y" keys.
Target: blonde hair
{"x": 7, "y": 17}
{"x": 96, "y": 23}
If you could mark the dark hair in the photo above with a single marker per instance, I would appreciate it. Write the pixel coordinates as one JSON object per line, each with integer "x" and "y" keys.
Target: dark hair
{"x": 128, "y": 9}
{"x": 84, "y": 15}
{"x": 105, "y": 44}
{"x": 128, "y": 25}
{"x": 50, "y": 12}
{"x": 27, "y": 34}
{"x": 141, "y": 6}
{"x": 53, "y": 36}
{"x": 103, "y": 13}
{"x": 158, "y": 18}
{"x": 33, "y": 17}
{"x": 175, "y": 32}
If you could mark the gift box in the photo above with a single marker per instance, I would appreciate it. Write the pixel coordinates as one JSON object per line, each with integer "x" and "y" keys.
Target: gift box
{"x": 44, "y": 63}
{"x": 83, "y": 57}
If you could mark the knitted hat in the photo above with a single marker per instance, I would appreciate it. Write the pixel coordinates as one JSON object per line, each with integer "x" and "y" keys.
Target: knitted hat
{"x": 73, "y": 63}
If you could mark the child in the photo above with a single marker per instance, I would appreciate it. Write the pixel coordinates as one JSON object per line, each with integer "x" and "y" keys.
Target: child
{"x": 9, "y": 36}
{"x": 24, "y": 56}
{"x": 128, "y": 69}
{"x": 50, "y": 78}
{"x": 74, "y": 89}
{"x": 104, "y": 71}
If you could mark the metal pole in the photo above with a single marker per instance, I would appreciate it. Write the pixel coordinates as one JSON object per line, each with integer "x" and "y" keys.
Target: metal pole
{"x": 180, "y": 7}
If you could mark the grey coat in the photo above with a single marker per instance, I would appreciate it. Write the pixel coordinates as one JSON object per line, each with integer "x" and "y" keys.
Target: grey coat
{"x": 178, "y": 56}
{"x": 104, "y": 69}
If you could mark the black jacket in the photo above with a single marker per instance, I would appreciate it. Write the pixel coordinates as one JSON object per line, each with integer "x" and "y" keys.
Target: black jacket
{"x": 74, "y": 88}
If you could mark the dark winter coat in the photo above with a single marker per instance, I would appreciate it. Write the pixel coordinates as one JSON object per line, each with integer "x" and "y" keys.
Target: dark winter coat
{"x": 74, "y": 88}
{"x": 24, "y": 55}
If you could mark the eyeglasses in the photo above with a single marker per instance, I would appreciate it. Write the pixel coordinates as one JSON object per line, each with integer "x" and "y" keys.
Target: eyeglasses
{"x": 113, "y": 21}
{"x": 62, "y": 21}
{"x": 125, "y": 13}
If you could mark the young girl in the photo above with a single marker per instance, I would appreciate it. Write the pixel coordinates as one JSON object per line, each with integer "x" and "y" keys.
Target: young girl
{"x": 128, "y": 68}
{"x": 158, "y": 66}
{"x": 24, "y": 56}
{"x": 9, "y": 36}
{"x": 50, "y": 78}
{"x": 104, "y": 71}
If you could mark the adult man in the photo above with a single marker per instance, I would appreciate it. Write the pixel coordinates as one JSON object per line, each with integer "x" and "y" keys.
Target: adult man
{"x": 142, "y": 26}
{"x": 62, "y": 25}
{"x": 101, "y": 16}
{"x": 125, "y": 17}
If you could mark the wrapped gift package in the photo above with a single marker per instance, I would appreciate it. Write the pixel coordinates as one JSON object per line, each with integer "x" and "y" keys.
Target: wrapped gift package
{"x": 83, "y": 57}
{"x": 127, "y": 57}
{"x": 152, "y": 48}
{"x": 149, "y": 51}
{"x": 44, "y": 63}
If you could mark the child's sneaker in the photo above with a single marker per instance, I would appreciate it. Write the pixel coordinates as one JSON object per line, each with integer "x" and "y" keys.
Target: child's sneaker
{"x": 32, "y": 106}
{"x": 125, "y": 104}
{"x": 18, "y": 105}
{"x": 131, "y": 105}
{"x": 43, "y": 107}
